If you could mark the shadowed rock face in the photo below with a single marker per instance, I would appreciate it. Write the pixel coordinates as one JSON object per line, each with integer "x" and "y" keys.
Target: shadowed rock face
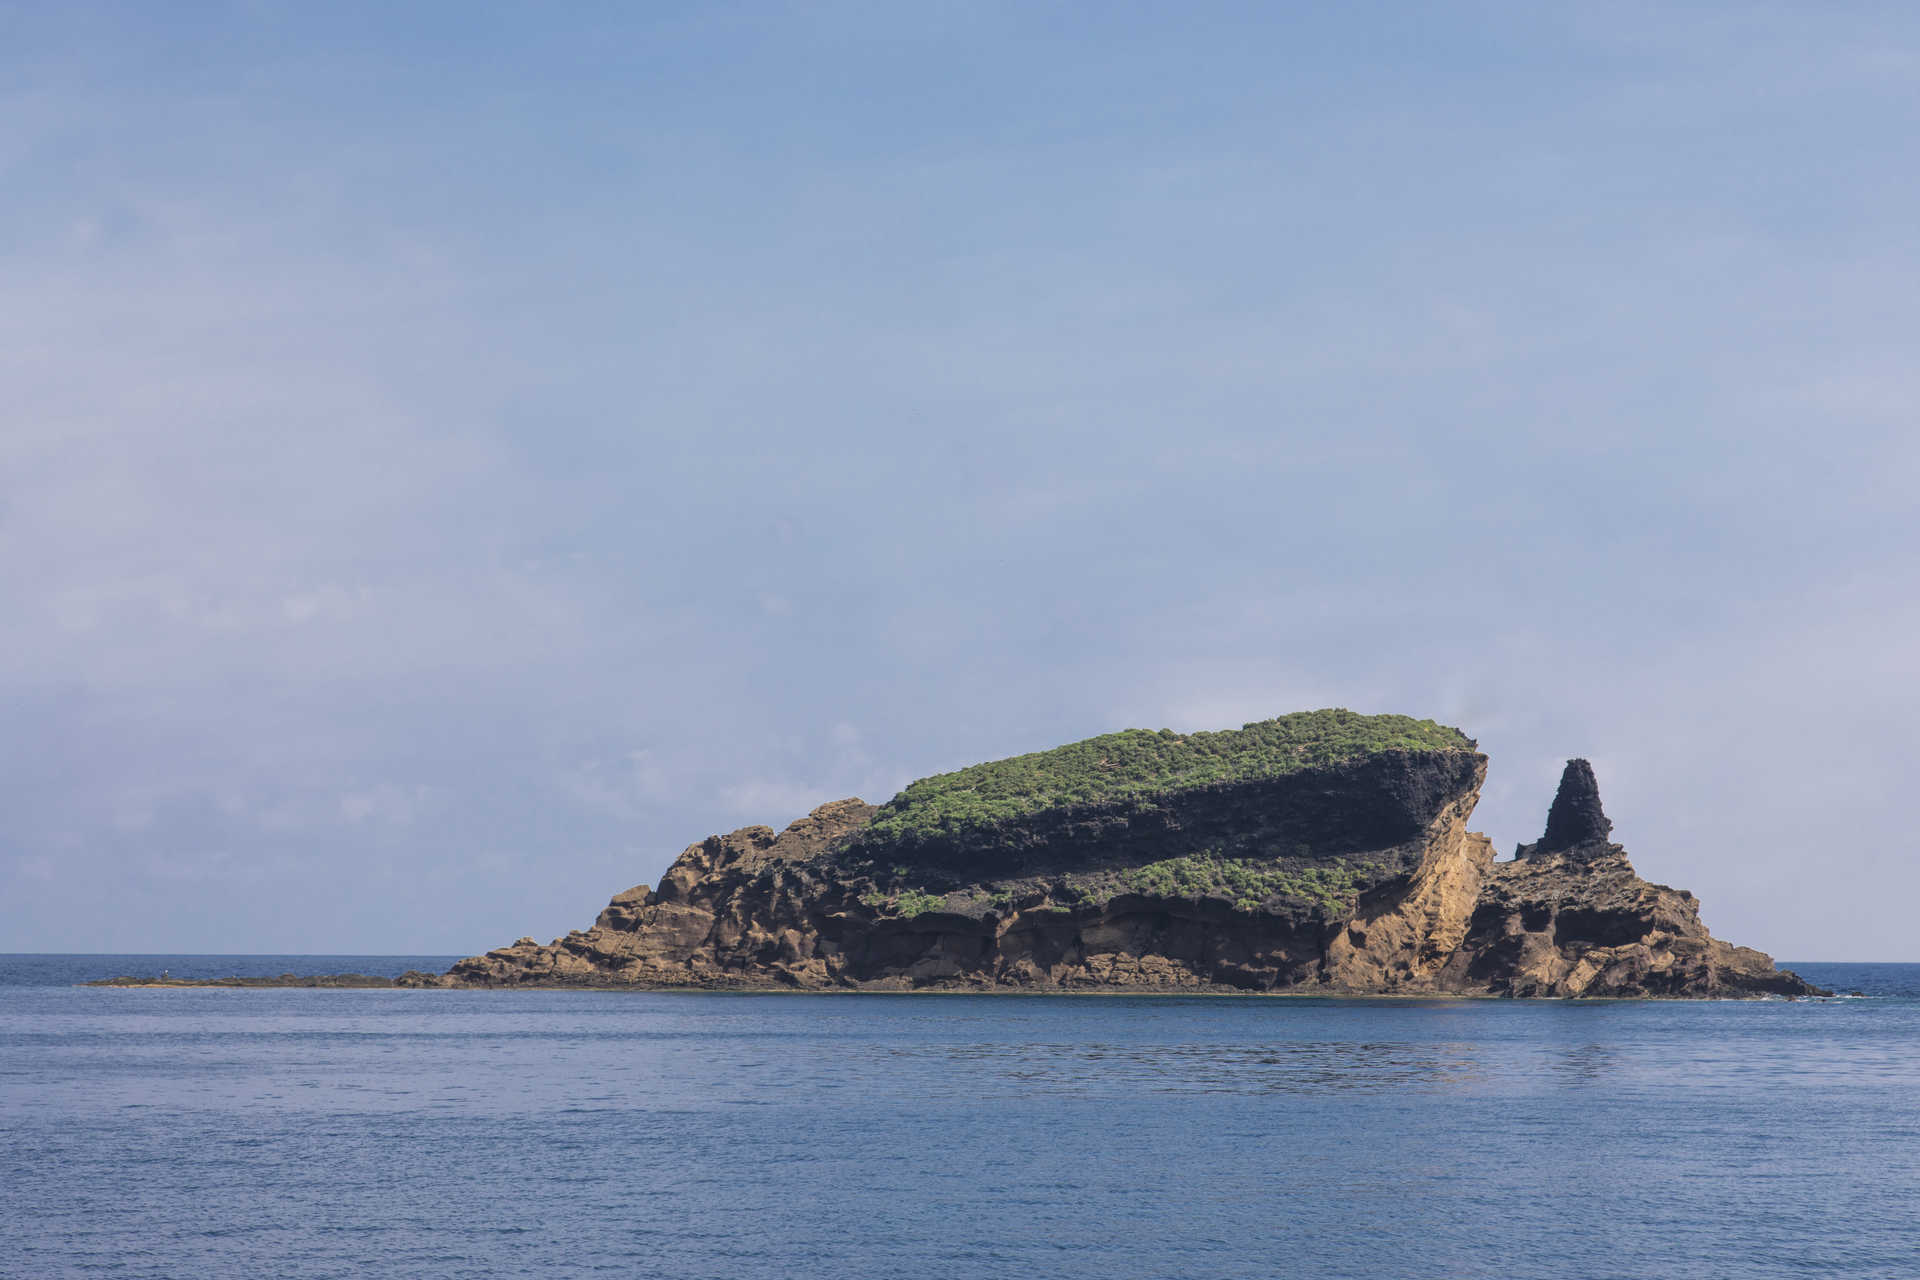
{"x": 1576, "y": 818}
{"x": 1357, "y": 877}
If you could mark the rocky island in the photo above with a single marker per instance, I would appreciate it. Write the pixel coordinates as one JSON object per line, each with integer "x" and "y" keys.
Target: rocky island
{"x": 1318, "y": 853}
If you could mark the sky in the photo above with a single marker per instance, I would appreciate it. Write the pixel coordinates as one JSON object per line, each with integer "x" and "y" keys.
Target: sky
{"x": 454, "y": 456}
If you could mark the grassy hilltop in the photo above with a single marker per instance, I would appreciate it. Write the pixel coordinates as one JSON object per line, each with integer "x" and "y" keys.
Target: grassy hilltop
{"x": 1145, "y": 762}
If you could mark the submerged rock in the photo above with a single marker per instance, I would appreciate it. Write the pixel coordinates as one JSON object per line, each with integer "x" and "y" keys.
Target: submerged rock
{"x": 1325, "y": 852}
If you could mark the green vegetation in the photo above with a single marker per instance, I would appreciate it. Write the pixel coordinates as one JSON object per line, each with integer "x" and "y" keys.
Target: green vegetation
{"x": 1136, "y": 764}
{"x": 908, "y": 902}
{"x": 1208, "y": 875}
{"x": 1247, "y": 883}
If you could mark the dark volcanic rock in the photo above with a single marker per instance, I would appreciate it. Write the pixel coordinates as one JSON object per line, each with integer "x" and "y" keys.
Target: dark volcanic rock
{"x": 1576, "y": 817}
{"x": 1566, "y": 926}
{"x": 1570, "y": 917}
{"x": 1354, "y": 808}
{"x": 1234, "y": 885}
{"x": 1353, "y": 876}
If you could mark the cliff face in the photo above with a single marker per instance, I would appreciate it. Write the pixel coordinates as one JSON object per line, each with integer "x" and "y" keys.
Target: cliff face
{"x": 1570, "y": 917}
{"x": 1357, "y": 875}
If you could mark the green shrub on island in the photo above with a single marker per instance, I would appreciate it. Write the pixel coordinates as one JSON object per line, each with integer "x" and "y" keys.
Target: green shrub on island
{"x": 1136, "y": 764}
{"x": 1209, "y": 874}
{"x": 907, "y": 903}
{"x": 1248, "y": 884}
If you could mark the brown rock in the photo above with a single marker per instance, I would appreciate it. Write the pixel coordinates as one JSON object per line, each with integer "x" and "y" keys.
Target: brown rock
{"x": 1363, "y": 878}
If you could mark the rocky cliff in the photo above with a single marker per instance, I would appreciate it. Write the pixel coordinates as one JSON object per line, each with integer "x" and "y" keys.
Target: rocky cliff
{"x": 1324, "y": 852}
{"x": 1570, "y": 917}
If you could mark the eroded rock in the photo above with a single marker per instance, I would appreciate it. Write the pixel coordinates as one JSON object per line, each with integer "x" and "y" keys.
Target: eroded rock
{"x": 1576, "y": 820}
{"x": 1355, "y": 877}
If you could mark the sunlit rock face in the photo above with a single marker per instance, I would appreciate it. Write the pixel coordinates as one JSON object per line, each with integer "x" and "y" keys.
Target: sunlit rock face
{"x": 1344, "y": 875}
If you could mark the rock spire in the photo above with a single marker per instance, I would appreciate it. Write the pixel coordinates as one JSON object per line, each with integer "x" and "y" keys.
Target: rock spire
{"x": 1355, "y": 875}
{"x": 1576, "y": 818}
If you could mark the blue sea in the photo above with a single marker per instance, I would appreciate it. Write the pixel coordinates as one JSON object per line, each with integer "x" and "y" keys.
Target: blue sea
{"x": 250, "y": 1133}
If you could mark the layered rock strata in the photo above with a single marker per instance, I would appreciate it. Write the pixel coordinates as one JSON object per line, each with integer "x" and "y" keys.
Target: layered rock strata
{"x": 1570, "y": 917}
{"x": 1355, "y": 876}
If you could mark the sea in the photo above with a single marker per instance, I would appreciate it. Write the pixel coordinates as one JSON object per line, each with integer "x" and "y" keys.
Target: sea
{"x": 387, "y": 1133}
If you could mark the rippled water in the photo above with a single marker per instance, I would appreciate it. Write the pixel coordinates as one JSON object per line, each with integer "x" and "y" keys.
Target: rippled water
{"x": 401, "y": 1133}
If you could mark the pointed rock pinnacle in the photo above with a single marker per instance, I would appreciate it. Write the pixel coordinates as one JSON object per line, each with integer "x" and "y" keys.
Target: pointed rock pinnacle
{"x": 1576, "y": 817}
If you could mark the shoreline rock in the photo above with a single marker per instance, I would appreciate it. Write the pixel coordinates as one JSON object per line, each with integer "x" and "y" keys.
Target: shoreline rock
{"x": 1356, "y": 878}
{"x": 1318, "y": 854}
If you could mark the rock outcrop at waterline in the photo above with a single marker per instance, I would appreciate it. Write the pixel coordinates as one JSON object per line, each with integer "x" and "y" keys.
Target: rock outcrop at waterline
{"x": 1570, "y": 917}
{"x": 1320, "y": 853}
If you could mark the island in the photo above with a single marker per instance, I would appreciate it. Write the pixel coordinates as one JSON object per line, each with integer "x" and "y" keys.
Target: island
{"x": 1323, "y": 852}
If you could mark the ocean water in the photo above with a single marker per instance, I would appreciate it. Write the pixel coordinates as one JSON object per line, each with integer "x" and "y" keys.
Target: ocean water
{"x": 247, "y": 1133}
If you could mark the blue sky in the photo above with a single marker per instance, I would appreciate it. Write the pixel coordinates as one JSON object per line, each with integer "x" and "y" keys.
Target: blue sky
{"x": 455, "y": 456}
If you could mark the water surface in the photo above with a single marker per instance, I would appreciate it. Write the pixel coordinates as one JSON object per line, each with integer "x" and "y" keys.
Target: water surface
{"x": 230, "y": 1133}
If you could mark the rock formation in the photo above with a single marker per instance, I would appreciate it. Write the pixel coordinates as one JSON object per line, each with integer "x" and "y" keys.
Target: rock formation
{"x": 1324, "y": 853}
{"x": 1576, "y": 820}
{"x": 1570, "y": 917}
